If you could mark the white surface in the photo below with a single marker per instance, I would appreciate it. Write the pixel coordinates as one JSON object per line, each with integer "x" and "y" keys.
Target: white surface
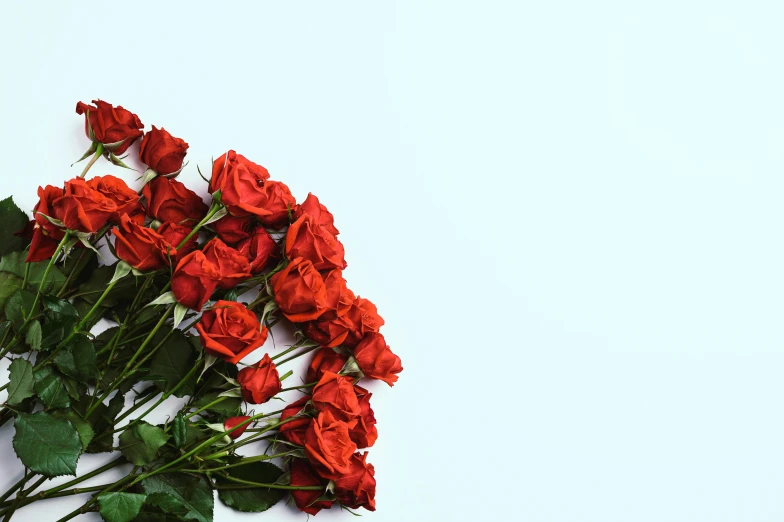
{"x": 569, "y": 214}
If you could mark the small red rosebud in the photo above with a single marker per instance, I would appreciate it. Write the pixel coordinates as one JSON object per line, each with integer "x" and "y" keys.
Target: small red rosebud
{"x": 234, "y": 421}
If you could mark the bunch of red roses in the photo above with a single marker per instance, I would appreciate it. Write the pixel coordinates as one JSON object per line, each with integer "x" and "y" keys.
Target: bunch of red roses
{"x": 178, "y": 259}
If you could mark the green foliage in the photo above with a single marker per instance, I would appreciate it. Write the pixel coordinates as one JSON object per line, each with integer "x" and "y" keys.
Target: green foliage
{"x": 102, "y": 421}
{"x": 14, "y": 263}
{"x": 50, "y": 388}
{"x": 180, "y": 430}
{"x": 228, "y": 407}
{"x": 120, "y": 507}
{"x": 60, "y": 320}
{"x": 9, "y": 283}
{"x": 12, "y": 220}
{"x": 46, "y": 444}
{"x": 78, "y": 360}
{"x": 251, "y": 500}
{"x": 182, "y": 495}
{"x": 91, "y": 290}
{"x": 83, "y": 427}
{"x": 33, "y": 336}
{"x": 19, "y": 306}
{"x": 20, "y": 386}
{"x": 140, "y": 444}
{"x": 171, "y": 364}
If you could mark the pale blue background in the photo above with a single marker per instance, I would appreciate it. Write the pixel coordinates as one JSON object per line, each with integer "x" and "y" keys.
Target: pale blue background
{"x": 569, "y": 213}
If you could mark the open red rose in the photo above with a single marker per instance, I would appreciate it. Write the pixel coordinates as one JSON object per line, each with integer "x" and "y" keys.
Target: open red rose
{"x": 376, "y": 360}
{"x": 240, "y": 182}
{"x": 142, "y": 247}
{"x": 234, "y": 267}
{"x": 45, "y": 234}
{"x": 348, "y": 329}
{"x": 328, "y": 445}
{"x": 174, "y": 235}
{"x": 299, "y": 291}
{"x": 163, "y": 152}
{"x": 303, "y": 474}
{"x": 307, "y": 239}
{"x": 312, "y": 207}
{"x": 83, "y": 208}
{"x": 230, "y": 331}
{"x": 258, "y": 249}
{"x": 294, "y": 431}
{"x": 116, "y": 128}
{"x": 259, "y": 382}
{"x": 170, "y": 200}
{"x": 364, "y": 434}
{"x": 356, "y": 488}
{"x": 335, "y": 393}
{"x": 325, "y": 360}
{"x": 194, "y": 280}
{"x": 339, "y": 297}
{"x": 232, "y": 229}
{"x": 126, "y": 199}
{"x": 231, "y": 422}
{"x": 277, "y": 203}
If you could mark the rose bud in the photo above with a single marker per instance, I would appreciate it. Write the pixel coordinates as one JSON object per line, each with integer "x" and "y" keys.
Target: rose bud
{"x": 232, "y": 229}
{"x": 312, "y": 207}
{"x": 114, "y": 127}
{"x": 233, "y": 266}
{"x": 364, "y": 434}
{"x": 258, "y": 250}
{"x": 376, "y": 360}
{"x": 141, "y": 247}
{"x": 325, "y": 360}
{"x": 259, "y": 382}
{"x": 356, "y": 488}
{"x": 347, "y": 329}
{"x": 294, "y": 431}
{"x": 234, "y": 421}
{"x": 335, "y": 393}
{"x": 328, "y": 445}
{"x": 126, "y": 199}
{"x": 303, "y": 474}
{"x": 307, "y": 239}
{"x": 174, "y": 234}
{"x": 230, "y": 331}
{"x": 83, "y": 208}
{"x": 170, "y": 200}
{"x": 162, "y": 152}
{"x": 299, "y": 291}
{"x": 194, "y": 280}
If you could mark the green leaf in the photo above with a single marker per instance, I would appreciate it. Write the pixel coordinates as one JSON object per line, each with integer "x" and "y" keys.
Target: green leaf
{"x": 228, "y": 407}
{"x": 180, "y": 429}
{"x": 92, "y": 289}
{"x": 78, "y": 360}
{"x": 14, "y": 263}
{"x": 185, "y": 495}
{"x": 50, "y": 388}
{"x": 20, "y": 386}
{"x": 18, "y": 307}
{"x": 9, "y": 283}
{"x": 12, "y": 220}
{"x": 85, "y": 262}
{"x": 141, "y": 443}
{"x": 46, "y": 444}
{"x": 33, "y": 336}
{"x": 172, "y": 363}
{"x": 120, "y": 507}
{"x": 102, "y": 421}
{"x": 86, "y": 432}
{"x": 253, "y": 500}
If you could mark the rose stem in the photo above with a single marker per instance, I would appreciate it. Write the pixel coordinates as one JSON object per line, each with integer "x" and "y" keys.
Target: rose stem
{"x": 98, "y": 152}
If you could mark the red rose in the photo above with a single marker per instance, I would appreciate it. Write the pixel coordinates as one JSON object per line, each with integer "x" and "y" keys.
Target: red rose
{"x": 376, "y": 360}
{"x": 325, "y": 360}
{"x": 260, "y": 382}
{"x": 46, "y": 235}
{"x": 83, "y": 208}
{"x": 348, "y": 329}
{"x": 234, "y": 267}
{"x": 114, "y": 127}
{"x": 174, "y": 234}
{"x": 335, "y": 393}
{"x": 307, "y": 239}
{"x": 339, "y": 297}
{"x": 294, "y": 431}
{"x": 364, "y": 434}
{"x": 42, "y": 246}
{"x": 232, "y": 229}
{"x": 240, "y": 182}
{"x": 162, "y": 152}
{"x": 194, "y": 280}
{"x": 303, "y": 474}
{"x": 230, "y": 331}
{"x": 170, "y": 200}
{"x": 126, "y": 199}
{"x": 277, "y": 203}
{"x": 141, "y": 247}
{"x": 328, "y": 445}
{"x": 234, "y": 421}
{"x": 312, "y": 207}
{"x": 299, "y": 291}
{"x": 258, "y": 250}
{"x": 357, "y": 487}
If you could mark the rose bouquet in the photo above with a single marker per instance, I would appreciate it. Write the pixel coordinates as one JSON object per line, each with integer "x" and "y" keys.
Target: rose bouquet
{"x": 186, "y": 298}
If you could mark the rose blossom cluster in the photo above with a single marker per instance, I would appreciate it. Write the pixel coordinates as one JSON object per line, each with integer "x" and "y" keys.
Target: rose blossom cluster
{"x": 253, "y": 224}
